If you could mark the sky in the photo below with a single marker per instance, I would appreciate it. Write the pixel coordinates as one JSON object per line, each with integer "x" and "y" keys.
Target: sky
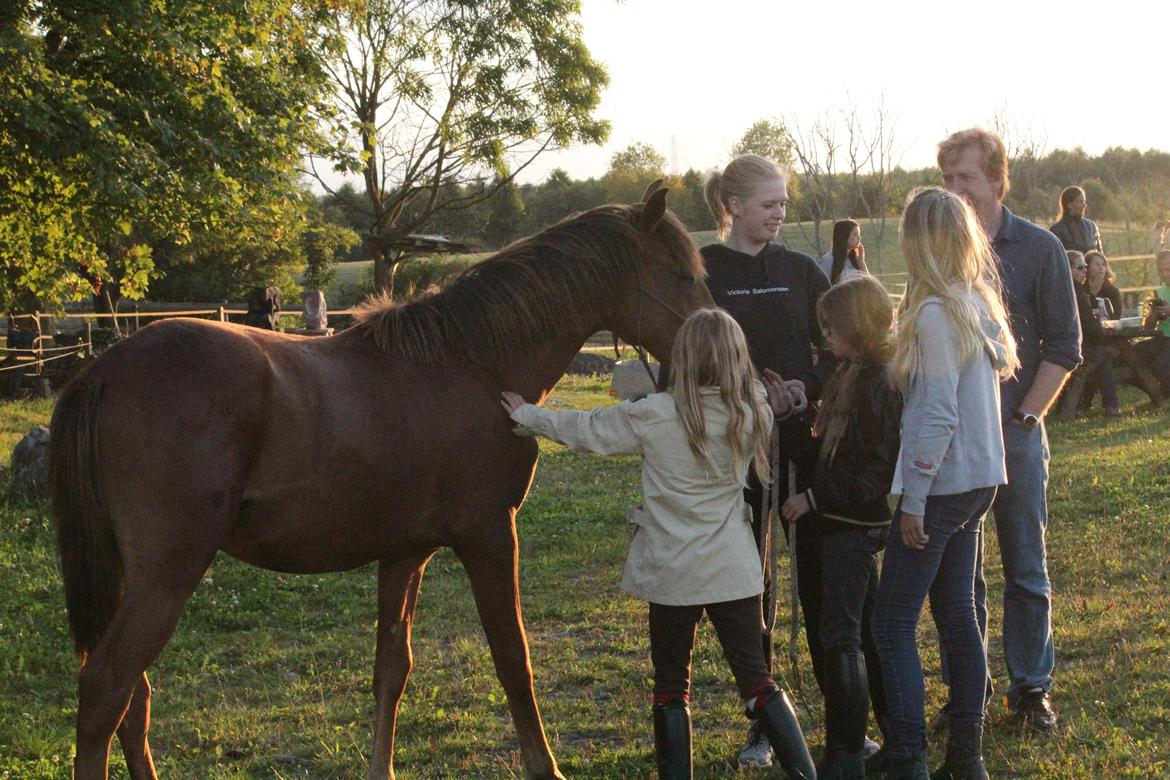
{"x": 689, "y": 78}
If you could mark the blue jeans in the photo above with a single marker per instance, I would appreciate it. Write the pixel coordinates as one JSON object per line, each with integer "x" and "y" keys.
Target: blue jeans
{"x": 1021, "y": 521}
{"x": 945, "y": 570}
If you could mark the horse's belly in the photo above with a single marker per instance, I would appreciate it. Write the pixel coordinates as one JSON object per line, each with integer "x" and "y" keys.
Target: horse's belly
{"x": 302, "y": 542}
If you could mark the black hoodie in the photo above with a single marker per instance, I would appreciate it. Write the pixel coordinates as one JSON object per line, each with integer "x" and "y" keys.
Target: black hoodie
{"x": 773, "y": 296}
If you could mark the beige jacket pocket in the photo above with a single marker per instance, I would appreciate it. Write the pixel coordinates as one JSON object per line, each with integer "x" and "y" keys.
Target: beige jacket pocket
{"x": 636, "y": 515}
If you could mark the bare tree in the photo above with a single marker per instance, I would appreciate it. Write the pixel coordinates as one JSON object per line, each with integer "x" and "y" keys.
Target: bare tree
{"x": 1025, "y": 147}
{"x": 440, "y": 104}
{"x": 845, "y": 159}
{"x": 815, "y": 151}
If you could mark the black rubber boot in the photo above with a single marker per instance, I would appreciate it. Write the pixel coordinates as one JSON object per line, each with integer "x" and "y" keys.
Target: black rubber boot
{"x": 672, "y": 740}
{"x": 846, "y": 714}
{"x": 964, "y": 753}
{"x": 778, "y": 719}
{"x": 912, "y": 768}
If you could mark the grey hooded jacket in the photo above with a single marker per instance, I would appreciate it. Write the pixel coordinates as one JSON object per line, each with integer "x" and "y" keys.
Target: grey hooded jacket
{"x": 952, "y": 439}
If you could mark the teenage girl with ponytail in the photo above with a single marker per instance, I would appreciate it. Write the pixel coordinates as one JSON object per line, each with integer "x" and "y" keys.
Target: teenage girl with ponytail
{"x": 772, "y": 293}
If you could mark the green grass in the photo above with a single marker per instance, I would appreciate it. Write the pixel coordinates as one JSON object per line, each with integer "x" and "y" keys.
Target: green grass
{"x": 268, "y": 675}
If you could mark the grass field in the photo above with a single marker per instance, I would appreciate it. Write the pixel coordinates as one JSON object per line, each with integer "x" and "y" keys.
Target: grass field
{"x": 268, "y": 675}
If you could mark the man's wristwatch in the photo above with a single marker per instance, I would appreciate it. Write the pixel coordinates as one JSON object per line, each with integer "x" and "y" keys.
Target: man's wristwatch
{"x": 1026, "y": 420}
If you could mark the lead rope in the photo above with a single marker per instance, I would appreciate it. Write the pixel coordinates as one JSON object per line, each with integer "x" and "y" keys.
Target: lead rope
{"x": 770, "y": 551}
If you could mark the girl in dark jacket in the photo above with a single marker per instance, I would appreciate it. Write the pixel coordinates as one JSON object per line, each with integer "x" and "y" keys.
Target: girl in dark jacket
{"x": 852, "y": 448}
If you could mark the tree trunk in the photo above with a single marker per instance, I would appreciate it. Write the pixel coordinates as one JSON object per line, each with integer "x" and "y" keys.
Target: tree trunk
{"x": 383, "y": 280}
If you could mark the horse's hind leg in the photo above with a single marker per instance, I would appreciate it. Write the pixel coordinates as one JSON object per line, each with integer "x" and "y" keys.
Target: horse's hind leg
{"x": 132, "y": 733}
{"x": 109, "y": 683}
{"x": 398, "y": 584}
{"x": 493, "y": 573}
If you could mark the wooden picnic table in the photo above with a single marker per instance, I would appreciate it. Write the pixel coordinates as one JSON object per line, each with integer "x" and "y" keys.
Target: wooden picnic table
{"x": 1124, "y": 338}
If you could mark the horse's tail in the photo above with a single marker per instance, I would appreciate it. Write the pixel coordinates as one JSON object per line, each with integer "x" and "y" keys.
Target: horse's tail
{"x": 90, "y": 564}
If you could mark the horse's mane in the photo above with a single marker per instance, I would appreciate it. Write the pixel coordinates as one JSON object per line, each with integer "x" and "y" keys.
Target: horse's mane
{"x": 491, "y": 310}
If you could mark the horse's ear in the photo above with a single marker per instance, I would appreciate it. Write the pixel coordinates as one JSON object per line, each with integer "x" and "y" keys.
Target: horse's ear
{"x": 653, "y": 188}
{"x": 655, "y": 209}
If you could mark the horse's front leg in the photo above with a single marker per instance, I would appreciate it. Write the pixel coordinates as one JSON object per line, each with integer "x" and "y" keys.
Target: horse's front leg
{"x": 493, "y": 572}
{"x": 398, "y": 585}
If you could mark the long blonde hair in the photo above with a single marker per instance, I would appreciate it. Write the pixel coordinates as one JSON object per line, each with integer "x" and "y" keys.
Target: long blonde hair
{"x": 947, "y": 257}
{"x": 710, "y": 351}
{"x": 859, "y": 312}
{"x": 738, "y": 180}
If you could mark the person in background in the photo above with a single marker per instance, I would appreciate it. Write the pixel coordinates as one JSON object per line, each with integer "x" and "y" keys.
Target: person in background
{"x": 1156, "y": 351}
{"x": 692, "y": 550}
{"x": 1098, "y": 360}
{"x": 1100, "y": 284}
{"x": 772, "y": 293}
{"x": 953, "y": 346}
{"x": 851, "y": 445}
{"x": 1072, "y": 227}
{"x": 1105, "y": 303}
{"x": 1160, "y": 236}
{"x": 846, "y": 259}
{"x": 1038, "y": 291}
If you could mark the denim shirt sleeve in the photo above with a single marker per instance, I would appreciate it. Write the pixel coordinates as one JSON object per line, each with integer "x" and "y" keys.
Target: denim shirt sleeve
{"x": 926, "y": 436}
{"x": 1058, "y": 324}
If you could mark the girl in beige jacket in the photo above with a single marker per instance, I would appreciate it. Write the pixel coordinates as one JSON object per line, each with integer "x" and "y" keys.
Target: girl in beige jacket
{"x": 693, "y": 549}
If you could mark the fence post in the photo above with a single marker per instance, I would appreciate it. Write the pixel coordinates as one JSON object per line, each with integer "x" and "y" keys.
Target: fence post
{"x": 222, "y": 314}
{"x": 38, "y": 352}
{"x": 137, "y": 323}
{"x": 88, "y": 337}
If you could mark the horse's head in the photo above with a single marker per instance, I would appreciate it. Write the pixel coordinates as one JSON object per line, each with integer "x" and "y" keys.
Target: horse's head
{"x": 668, "y": 283}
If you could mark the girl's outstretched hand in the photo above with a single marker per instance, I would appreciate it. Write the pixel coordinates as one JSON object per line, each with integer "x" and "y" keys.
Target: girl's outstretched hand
{"x": 913, "y": 535}
{"x": 511, "y": 401}
{"x": 778, "y": 397}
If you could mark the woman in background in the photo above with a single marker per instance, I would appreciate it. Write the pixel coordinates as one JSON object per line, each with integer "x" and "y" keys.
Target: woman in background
{"x": 1099, "y": 284}
{"x": 847, "y": 257}
{"x": 1105, "y": 304}
{"x": 1072, "y": 227}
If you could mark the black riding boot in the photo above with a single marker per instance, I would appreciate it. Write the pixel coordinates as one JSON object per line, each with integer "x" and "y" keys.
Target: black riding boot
{"x": 672, "y": 740}
{"x": 846, "y": 714}
{"x": 778, "y": 718}
{"x": 964, "y": 753}
{"x": 911, "y": 768}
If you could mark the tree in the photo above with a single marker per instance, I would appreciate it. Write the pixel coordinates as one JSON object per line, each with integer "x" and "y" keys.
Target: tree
{"x": 129, "y": 125}
{"x": 768, "y": 138}
{"x": 845, "y": 164}
{"x": 630, "y": 170}
{"x": 322, "y": 243}
{"x": 505, "y": 215}
{"x": 434, "y": 93}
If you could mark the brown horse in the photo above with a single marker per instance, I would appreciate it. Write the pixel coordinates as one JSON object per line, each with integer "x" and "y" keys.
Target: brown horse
{"x": 193, "y": 436}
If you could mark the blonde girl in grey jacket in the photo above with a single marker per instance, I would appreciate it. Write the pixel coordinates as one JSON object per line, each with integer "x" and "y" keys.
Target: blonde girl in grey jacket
{"x": 952, "y": 347}
{"x": 693, "y": 550}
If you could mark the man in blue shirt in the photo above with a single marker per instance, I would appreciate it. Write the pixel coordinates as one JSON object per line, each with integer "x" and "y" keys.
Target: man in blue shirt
{"x": 1038, "y": 291}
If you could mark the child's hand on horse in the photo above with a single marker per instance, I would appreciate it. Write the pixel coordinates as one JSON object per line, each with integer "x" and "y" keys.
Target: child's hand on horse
{"x": 511, "y": 401}
{"x": 796, "y": 507}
